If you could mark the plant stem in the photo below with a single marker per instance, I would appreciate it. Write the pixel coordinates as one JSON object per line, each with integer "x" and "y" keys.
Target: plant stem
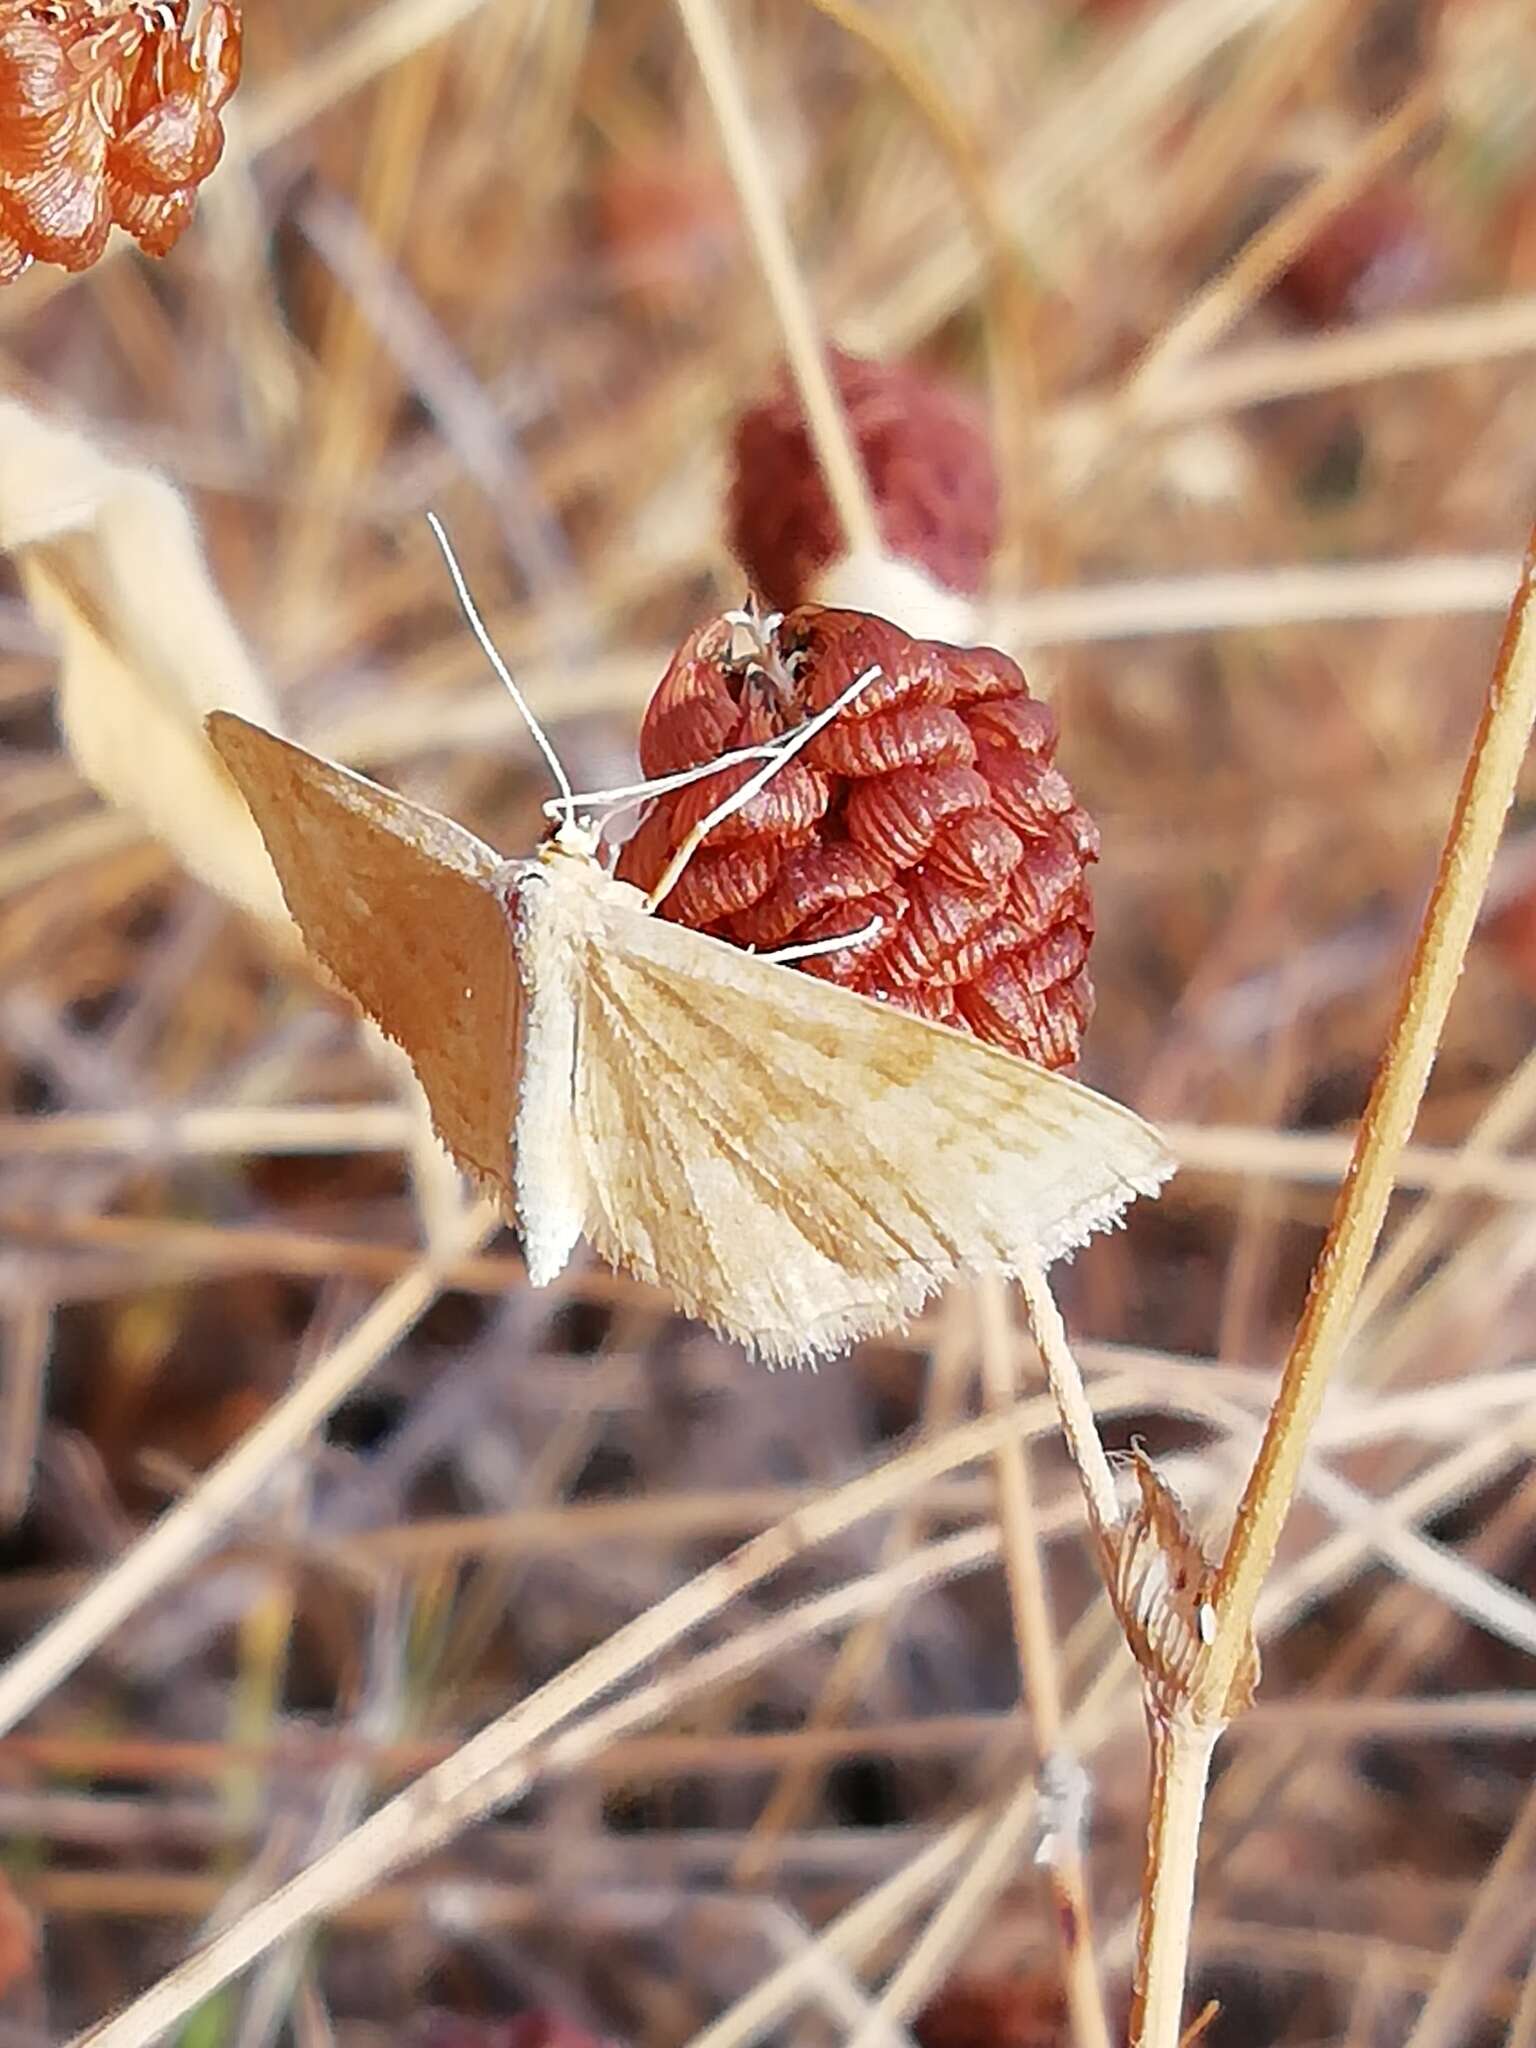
{"x": 1496, "y": 1928}
{"x": 1180, "y": 1769}
{"x": 1181, "y": 1765}
{"x": 1487, "y": 789}
{"x": 1039, "y": 1666}
{"x": 1078, "y": 1425}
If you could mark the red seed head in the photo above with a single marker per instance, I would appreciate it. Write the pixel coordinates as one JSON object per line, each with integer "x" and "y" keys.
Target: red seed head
{"x": 932, "y": 802}
{"x": 1024, "y": 2011}
{"x": 930, "y": 472}
{"x": 1376, "y": 256}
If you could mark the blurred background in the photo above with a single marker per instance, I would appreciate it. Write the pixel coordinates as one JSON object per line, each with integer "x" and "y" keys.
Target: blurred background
{"x": 1245, "y": 291}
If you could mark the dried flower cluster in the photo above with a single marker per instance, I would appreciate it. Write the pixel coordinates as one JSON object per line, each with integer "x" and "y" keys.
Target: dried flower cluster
{"x": 929, "y": 466}
{"x": 932, "y": 802}
{"x": 109, "y": 112}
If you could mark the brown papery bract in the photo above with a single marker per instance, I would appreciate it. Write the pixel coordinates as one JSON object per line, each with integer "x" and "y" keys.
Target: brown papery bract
{"x": 108, "y": 114}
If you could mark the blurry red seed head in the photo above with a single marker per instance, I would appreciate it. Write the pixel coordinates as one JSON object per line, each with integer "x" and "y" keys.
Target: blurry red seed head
{"x": 929, "y": 464}
{"x": 1024, "y": 2011}
{"x": 1376, "y": 256}
{"x": 667, "y": 223}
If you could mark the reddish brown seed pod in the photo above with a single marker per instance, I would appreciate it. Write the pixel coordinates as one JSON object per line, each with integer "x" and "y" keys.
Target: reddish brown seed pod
{"x": 1025, "y": 2011}
{"x": 1376, "y": 256}
{"x": 664, "y": 216}
{"x": 109, "y": 113}
{"x": 929, "y": 464}
{"x": 932, "y": 802}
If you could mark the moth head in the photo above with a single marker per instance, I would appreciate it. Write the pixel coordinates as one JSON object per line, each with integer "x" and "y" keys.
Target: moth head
{"x": 572, "y": 839}
{"x": 744, "y": 647}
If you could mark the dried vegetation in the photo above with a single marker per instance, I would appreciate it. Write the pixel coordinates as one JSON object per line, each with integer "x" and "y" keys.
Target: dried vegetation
{"x": 1248, "y": 288}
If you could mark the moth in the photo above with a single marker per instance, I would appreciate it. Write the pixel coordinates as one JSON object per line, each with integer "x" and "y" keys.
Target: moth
{"x": 796, "y": 1165}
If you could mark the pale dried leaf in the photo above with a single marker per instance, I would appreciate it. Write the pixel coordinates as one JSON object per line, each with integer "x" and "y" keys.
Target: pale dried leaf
{"x": 110, "y": 561}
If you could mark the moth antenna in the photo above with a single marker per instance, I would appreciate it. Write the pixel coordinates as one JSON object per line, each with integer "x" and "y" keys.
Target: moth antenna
{"x": 729, "y": 806}
{"x": 813, "y": 947}
{"x": 567, "y": 798}
{"x": 636, "y": 792}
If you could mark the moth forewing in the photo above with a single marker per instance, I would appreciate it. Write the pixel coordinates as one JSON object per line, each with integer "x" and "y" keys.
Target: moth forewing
{"x": 407, "y": 910}
{"x": 802, "y": 1166}
{"x": 982, "y": 1147}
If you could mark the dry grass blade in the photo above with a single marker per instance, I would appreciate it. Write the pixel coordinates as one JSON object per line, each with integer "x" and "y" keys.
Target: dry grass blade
{"x": 933, "y": 1953}
{"x": 1267, "y": 254}
{"x": 1522, "y": 2031}
{"x": 493, "y": 1766}
{"x": 26, "y": 1337}
{"x": 770, "y": 239}
{"x": 187, "y": 1529}
{"x": 1498, "y": 752}
{"x": 1497, "y": 1926}
{"x": 850, "y": 1936}
{"x": 1040, "y": 1689}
